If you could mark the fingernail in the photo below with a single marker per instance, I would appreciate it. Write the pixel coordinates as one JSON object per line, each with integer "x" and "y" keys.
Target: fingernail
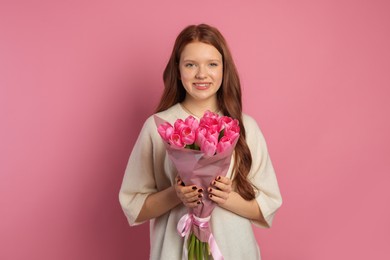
{"x": 210, "y": 195}
{"x": 210, "y": 189}
{"x": 214, "y": 182}
{"x": 200, "y": 196}
{"x": 194, "y": 188}
{"x": 218, "y": 178}
{"x": 200, "y": 190}
{"x": 198, "y": 202}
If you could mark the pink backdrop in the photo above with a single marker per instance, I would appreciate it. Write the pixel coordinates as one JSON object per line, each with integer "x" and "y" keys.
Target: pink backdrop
{"x": 78, "y": 78}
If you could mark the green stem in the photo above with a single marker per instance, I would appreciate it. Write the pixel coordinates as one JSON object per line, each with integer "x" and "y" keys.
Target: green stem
{"x": 191, "y": 247}
{"x": 204, "y": 250}
{"x": 208, "y": 249}
{"x": 197, "y": 248}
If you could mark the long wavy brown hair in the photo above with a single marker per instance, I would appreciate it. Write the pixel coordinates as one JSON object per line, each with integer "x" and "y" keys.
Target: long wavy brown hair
{"x": 228, "y": 95}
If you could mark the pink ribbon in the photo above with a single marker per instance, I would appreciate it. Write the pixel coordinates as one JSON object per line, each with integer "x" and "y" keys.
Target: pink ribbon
{"x": 217, "y": 255}
{"x": 184, "y": 227}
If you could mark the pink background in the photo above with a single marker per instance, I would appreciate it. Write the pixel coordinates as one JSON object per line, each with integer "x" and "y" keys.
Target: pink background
{"x": 78, "y": 78}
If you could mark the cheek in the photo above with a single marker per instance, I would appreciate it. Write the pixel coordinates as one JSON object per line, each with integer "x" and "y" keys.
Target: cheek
{"x": 218, "y": 75}
{"x": 184, "y": 74}
{"x": 185, "y": 79}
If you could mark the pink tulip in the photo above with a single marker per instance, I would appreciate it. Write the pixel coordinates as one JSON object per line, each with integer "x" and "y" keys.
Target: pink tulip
{"x": 209, "y": 144}
{"x": 208, "y": 122}
{"x": 227, "y": 122}
{"x": 212, "y": 136}
{"x": 209, "y": 114}
{"x": 214, "y": 129}
{"x": 223, "y": 144}
{"x": 175, "y": 140}
{"x": 201, "y": 133}
{"x": 232, "y": 132}
{"x": 187, "y": 135}
{"x": 179, "y": 125}
{"x": 192, "y": 122}
{"x": 165, "y": 130}
{"x": 211, "y": 125}
{"x": 208, "y": 147}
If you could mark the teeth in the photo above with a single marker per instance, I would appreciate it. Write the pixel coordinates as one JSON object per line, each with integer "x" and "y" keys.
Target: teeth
{"x": 202, "y": 85}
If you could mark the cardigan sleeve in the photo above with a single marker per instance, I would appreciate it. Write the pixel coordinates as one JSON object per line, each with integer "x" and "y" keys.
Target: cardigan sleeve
{"x": 262, "y": 174}
{"x": 138, "y": 181}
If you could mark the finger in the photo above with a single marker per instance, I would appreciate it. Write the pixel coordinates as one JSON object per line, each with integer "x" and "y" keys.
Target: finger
{"x": 226, "y": 187}
{"x": 179, "y": 181}
{"x": 198, "y": 193}
{"x": 187, "y": 201}
{"x": 189, "y": 194}
{"x": 191, "y": 200}
{"x": 224, "y": 180}
{"x": 190, "y": 189}
{"x": 185, "y": 191}
{"x": 218, "y": 193}
{"x": 190, "y": 197}
{"x": 216, "y": 199}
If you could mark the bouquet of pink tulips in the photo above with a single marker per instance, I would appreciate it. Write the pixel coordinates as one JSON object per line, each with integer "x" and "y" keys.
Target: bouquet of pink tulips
{"x": 201, "y": 151}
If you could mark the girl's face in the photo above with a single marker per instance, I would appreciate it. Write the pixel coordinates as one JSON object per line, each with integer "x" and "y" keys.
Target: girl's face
{"x": 201, "y": 71}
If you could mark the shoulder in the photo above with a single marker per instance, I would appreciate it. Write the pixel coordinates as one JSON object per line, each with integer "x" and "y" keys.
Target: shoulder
{"x": 249, "y": 122}
{"x": 252, "y": 130}
{"x": 170, "y": 115}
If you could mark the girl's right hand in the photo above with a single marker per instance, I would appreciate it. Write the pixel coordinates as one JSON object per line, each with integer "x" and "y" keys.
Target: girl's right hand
{"x": 191, "y": 196}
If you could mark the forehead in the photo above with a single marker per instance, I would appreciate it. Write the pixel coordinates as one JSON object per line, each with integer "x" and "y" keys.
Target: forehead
{"x": 200, "y": 51}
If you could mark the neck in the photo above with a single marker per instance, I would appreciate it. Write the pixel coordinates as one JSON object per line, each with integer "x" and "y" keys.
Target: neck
{"x": 197, "y": 109}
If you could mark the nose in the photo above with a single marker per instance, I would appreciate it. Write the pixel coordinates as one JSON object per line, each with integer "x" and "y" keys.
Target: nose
{"x": 201, "y": 73}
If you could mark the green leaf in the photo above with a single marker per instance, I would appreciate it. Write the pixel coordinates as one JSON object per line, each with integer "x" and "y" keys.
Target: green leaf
{"x": 221, "y": 134}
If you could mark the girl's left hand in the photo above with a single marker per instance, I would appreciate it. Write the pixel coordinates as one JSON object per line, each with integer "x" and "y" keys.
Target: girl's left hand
{"x": 220, "y": 189}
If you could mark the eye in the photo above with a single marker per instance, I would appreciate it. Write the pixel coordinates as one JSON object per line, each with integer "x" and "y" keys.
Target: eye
{"x": 213, "y": 64}
{"x": 189, "y": 65}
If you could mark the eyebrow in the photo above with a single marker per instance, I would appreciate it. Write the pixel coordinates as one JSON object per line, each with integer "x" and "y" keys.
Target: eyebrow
{"x": 212, "y": 60}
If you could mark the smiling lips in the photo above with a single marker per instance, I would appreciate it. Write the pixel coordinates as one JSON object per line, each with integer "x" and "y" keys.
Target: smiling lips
{"x": 201, "y": 85}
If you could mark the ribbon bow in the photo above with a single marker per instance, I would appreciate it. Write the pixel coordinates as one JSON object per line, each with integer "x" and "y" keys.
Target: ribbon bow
{"x": 184, "y": 228}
